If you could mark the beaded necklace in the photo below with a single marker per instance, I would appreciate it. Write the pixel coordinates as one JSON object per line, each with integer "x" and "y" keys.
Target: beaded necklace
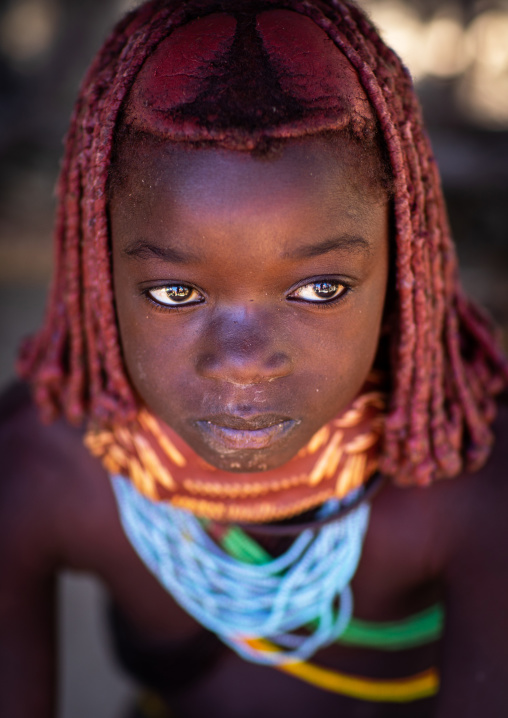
{"x": 308, "y": 585}
{"x": 340, "y": 458}
{"x": 234, "y": 588}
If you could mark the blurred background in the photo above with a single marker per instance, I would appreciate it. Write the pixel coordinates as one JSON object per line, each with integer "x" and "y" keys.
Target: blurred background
{"x": 457, "y": 52}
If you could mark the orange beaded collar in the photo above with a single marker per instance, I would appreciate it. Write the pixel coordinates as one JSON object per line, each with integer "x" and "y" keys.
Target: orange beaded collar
{"x": 340, "y": 457}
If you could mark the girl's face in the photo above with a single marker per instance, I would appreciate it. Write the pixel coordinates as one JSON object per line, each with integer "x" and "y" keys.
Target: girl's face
{"x": 249, "y": 291}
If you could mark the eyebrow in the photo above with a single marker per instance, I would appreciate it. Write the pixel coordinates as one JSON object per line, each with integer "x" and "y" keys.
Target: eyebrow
{"x": 142, "y": 249}
{"x": 351, "y": 243}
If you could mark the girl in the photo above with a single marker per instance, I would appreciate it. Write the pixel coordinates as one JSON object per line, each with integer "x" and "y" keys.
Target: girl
{"x": 256, "y": 322}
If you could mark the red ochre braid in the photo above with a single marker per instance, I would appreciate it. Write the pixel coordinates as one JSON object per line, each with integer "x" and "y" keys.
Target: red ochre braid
{"x": 446, "y": 364}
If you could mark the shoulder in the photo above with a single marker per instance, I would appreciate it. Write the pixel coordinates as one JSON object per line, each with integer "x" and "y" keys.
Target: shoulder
{"x": 471, "y": 509}
{"x": 435, "y": 530}
{"x": 49, "y": 487}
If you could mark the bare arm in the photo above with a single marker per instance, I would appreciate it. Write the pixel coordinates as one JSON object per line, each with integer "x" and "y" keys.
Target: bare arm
{"x": 27, "y": 564}
{"x": 27, "y": 635}
{"x": 57, "y": 510}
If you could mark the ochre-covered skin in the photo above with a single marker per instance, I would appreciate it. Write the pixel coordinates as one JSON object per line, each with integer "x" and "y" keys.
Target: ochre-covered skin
{"x": 175, "y": 73}
{"x": 203, "y": 67}
{"x": 310, "y": 69}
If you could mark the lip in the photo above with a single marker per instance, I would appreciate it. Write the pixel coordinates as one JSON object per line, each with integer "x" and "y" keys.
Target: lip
{"x": 227, "y": 433}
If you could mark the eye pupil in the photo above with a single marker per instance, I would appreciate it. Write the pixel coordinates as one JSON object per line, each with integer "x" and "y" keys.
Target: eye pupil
{"x": 325, "y": 289}
{"x": 178, "y": 293}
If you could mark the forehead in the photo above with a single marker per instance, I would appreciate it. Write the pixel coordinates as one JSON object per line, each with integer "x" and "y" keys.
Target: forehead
{"x": 222, "y": 203}
{"x": 319, "y": 168}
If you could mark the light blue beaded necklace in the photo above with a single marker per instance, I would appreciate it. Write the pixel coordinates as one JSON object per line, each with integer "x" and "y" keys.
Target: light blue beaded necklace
{"x": 308, "y": 585}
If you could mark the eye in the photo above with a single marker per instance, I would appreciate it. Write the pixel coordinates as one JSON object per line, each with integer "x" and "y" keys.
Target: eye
{"x": 175, "y": 295}
{"x": 323, "y": 290}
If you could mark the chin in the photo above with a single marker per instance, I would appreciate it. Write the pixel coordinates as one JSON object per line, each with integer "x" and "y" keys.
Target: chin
{"x": 248, "y": 461}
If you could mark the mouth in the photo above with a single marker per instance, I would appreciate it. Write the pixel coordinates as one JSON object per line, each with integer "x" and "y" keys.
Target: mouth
{"x": 226, "y": 433}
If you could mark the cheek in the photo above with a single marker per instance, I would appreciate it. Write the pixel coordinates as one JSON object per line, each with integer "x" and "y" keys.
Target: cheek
{"x": 157, "y": 359}
{"x": 342, "y": 358}
{"x": 344, "y": 350}
{"x": 153, "y": 352}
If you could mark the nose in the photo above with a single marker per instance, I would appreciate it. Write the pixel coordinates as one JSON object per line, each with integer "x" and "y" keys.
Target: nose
{"x": 241, "y": 347}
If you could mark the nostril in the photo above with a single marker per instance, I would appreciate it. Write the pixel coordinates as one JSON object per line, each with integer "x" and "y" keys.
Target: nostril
{"x": 277, "y": 360}
{"x": 206, "y": 363}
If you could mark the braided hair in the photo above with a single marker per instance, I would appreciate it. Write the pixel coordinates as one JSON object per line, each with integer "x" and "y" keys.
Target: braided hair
{"x": 446, "y": 367}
